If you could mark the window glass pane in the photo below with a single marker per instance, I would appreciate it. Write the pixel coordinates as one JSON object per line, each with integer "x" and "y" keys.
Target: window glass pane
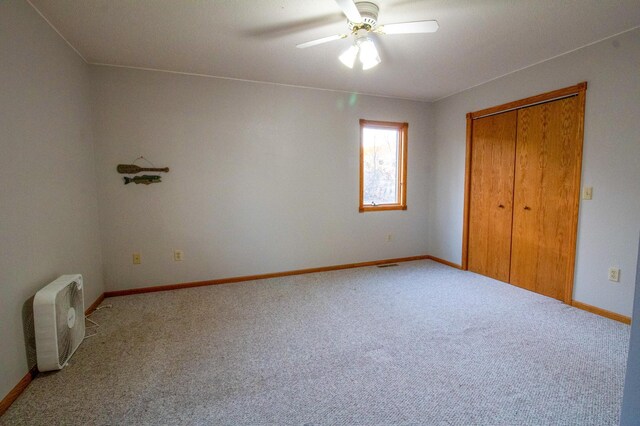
{"x": 380, "y": 158}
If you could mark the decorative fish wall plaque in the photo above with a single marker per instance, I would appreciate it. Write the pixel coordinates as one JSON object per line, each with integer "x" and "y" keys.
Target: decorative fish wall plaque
{"x": 145, "y": 179}
{"x": 131, "y": 169}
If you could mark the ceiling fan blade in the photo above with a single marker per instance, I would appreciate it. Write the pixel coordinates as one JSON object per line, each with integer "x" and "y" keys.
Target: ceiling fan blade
{"x": 409, "y": 27}
{"x": 321, "y": 41}
{"x": 350, "y": 10}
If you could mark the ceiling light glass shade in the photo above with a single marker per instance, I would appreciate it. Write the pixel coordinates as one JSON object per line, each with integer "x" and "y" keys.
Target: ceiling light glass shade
{"x": 348, "y": 57}
{"x": 368, "y": 54}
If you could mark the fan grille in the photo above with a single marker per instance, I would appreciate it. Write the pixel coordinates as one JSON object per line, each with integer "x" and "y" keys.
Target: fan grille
{"x": 68, "y": 305}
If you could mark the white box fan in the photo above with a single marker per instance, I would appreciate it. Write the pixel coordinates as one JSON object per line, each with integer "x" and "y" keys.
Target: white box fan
{"x": 58, "y": 313}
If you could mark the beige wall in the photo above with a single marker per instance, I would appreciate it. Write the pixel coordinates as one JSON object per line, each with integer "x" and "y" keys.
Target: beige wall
{"x": 264, "y": 178}
{"x": 608, "y": 224}
{"x": 48, "y": 203}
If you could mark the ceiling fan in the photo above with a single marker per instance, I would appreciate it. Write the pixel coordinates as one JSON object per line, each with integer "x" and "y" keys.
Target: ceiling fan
{"x": 362, "y": 17}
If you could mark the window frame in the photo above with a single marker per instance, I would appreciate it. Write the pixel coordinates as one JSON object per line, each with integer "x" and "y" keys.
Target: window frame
{"x": 403, "y": 131}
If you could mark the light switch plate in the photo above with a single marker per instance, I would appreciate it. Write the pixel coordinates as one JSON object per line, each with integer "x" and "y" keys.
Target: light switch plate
{"x": 178, "y": 255}
{"x": 587, "y": 193}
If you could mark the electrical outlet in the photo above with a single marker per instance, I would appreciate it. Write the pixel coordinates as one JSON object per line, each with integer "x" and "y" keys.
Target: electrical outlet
{"x": 178, "y": 255}
{"x": 136, "y": 259}
{"x": 614, "y": 274}
{"x": 587, "y": 193}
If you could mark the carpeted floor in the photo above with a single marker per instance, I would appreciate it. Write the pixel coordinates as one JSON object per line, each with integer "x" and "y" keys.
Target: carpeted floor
{"x": 420, "y": 343}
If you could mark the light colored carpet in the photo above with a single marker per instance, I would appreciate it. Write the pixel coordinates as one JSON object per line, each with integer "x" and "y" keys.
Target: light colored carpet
{"x": 420, "y": 343}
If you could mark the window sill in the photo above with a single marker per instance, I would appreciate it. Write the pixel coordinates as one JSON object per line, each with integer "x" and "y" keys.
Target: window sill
{"x": 383, "y": 207}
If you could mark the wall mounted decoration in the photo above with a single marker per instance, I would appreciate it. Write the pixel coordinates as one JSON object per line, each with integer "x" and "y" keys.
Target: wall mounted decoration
{"x": 144, "y": 179}
{"x": 133, "y": 169}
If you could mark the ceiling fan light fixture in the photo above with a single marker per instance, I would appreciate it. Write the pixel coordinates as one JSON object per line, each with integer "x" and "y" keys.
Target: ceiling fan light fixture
{"x": 368, "y": 53}
{"x": 369, "y": 65}
{"x": 348, "y": 57}
{"x": 362, "y": 19}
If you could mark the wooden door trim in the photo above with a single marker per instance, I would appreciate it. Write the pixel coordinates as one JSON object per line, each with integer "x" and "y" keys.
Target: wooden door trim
{"x": 467, "y": 195}
{"x": 568, "y": 290}
{"x": 578, "y": 90}
{"x": 532, "y": 100}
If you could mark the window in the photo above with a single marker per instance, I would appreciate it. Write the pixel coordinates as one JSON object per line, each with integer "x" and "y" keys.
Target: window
{"x": 383, "y": 165}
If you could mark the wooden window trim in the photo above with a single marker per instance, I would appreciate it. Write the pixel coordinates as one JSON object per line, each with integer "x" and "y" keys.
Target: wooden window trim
{"x": 403, "y": 132}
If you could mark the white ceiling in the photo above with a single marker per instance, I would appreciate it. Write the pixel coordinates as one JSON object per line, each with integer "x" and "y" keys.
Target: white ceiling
{"x": 478, "y": 40}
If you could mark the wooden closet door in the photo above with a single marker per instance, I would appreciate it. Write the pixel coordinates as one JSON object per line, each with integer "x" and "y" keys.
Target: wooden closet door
{"x": 548, "y": 152}
{"x": 491, "y": 195}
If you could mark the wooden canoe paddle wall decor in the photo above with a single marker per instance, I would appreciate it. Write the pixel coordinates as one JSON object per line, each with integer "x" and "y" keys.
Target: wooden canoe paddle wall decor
{"x": 144, "y": 179}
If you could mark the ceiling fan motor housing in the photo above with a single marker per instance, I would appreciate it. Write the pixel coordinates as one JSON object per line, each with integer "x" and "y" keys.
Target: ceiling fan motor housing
{"x": 369, "y": 13}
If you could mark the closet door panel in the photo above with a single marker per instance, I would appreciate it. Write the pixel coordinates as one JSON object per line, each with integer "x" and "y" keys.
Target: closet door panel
{"x": 547, "y": 157}
{"x": 491, "y": 195}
